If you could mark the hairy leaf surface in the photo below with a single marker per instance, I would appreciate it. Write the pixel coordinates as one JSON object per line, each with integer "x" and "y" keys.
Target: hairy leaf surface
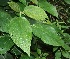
{"x": 35, "y": 12}
{"x": 48, "y": 35}
{"x": 21, "y": 33}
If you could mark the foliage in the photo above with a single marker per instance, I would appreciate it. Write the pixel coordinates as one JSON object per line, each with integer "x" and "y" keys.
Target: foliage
{"x": 34, "y": 29}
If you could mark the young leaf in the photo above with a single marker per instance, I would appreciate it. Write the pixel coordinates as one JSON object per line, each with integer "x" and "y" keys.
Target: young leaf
{"x": 14, "y": 6}
{"x": 48, "y": 35}
{"x": 21, "y": 33}
{"x": 5, "y": 44}
{"x": 4, "y": 21}
{"x": 48, "y": 7}
{"x": 35, "y": 12}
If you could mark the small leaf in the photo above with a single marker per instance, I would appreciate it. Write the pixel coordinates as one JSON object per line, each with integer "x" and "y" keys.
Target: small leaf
{"x": 66, "y": 54}
{"x": 4, "y": 21}
{"x": 58, "y": 54}
{"x": 39, "y": 51}
{"x": 67, "y": 1}
{"x": 14, "y": 6}
{"x": 48, "y": 35}
{"x": 21, "y": 33}
{"x": 5, "y": 44}
{"x": 48, "y": 7}
{"x": 43, "y": 58}
{"x": 45, "y": 54}
{"x": 35, "y": 12}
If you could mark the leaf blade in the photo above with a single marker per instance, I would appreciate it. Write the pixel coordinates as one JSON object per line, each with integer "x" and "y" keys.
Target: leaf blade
{"x": 35, "y": 12}
{"x": 22, "y": 33}
{"x": 48, "y": 35}
{"x": 48, "y": 7}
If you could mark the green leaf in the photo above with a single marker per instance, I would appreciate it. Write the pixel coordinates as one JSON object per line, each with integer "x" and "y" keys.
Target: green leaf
{"x": 14, "y": 6}
{"x": 48, "y": 35}
{"x": 5, "y": 44}
{"x": 48, "y": 7}
{"x": 57, "y": 58}
{"x": 35, "y": 1}
{"x": 37, "y": 58}
{"x": 39, "y": 51}
{"x": 66, "y": 38}
{"x": 23, "y": 1}
{"x": 45, "y": 54}
{"x": 22, "y": 6}
{"x": 58, "y": 54}
{"x": 35, "y": 12}
{"x": 4, "y": 21}
{"x": 67, "y": 1}
{"x": 43, "y": 58}
{"x": 21, "y": 33}
{"x": 66, "y": 54}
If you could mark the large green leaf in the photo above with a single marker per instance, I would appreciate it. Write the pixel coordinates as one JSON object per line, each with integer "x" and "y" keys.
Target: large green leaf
{"x": 4, "y": 21}
{"x": 67, "y": 1}
{"x": 35, "y": 12}
{"x": 21, "y": 33}
{"x": 14, "y": 6}
{"x": 48, "y": 7}
{"x": 5, "y": 44}
{"x": 48, "y": 35}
